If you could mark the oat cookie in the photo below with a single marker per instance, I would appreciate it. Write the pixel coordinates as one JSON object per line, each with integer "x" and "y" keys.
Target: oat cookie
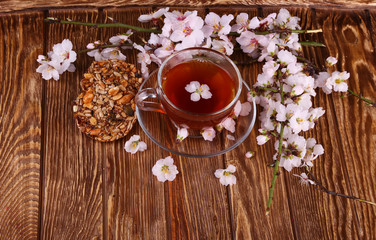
{"x": 105, "y": 110}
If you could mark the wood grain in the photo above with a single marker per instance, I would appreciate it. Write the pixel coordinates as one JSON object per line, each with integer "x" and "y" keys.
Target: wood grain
{"x": 136, "y": 200}
{"x": 349, "y": 39}
{"x": 372, "y": 26}
{"x": 175, "y": 211}
{"x": 72, "y": 170}
{"x": 329, "y": 168}
{"x": 20, "y": 125}
{"x": 16, "y": 5}
{"x": 57, "y": 183}
{"x": 249, "y": 196}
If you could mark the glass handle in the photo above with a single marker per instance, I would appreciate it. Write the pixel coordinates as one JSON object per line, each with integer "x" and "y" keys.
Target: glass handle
{"x": 147, "y": 105}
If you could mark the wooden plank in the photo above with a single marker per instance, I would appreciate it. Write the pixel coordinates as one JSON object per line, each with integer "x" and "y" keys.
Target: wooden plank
{"x": 199, "y": 205}
{"x": 72, "y": 171}
{"x": 176, "y": 208}
{"x": 372, "y": 27}
{"x": 20, "y": 124}
{"x": 333, "y": 217}
{"x": 136, "y": 200}
{"x": 249, "y": 196}
{"x": 314, "y": 213}
{"x": 347, "y": 37}
{"x": 16, "y": 5}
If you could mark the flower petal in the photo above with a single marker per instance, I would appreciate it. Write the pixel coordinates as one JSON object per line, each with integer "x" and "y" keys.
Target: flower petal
{"x": 195, "y": 97}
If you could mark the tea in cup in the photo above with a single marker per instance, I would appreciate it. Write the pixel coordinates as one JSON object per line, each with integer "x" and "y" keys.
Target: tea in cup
{"x": 197, "y": 88}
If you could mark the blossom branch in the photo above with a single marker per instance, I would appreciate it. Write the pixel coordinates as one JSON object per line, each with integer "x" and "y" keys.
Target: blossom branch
{"x": 312, "y": 44}
{"x": 268, "y": 89}
{"x": 276, "y": 166}
{"x": 321, "y": 188}
{"x": 105, "y": 46}
{"x": 370, "y": 102}
{"x": 281, "y": 31}
{"x": 275, "y": 174}
{"x": 102, "y": 25}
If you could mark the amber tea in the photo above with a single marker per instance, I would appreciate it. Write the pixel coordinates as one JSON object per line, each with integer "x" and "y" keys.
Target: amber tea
{"x": 197, "y": 88}
{"x": 221, "y": 85}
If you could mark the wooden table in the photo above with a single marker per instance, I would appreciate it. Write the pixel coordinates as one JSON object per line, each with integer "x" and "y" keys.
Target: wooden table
{"x": 57, "y": 183}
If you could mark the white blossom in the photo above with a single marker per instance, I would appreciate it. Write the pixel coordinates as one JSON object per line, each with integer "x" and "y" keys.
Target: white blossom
{"x": 226, "y": 176}
{"x": 313, "y": 150}
{"x": 182, "y": 134}
{"x": 245, "y": 109}
{"x": 286, "y": 57}
{"x": 229, "y": 124}
{"x": 304, "y": 180}
{"x": 321, "y": 81}
{"x": 112, "y": 53}
{"x": 263, "y": 138}
{"x": 268, "y": 21}
{"x": 223, "y": 45}
{"x": 330, "y": 61}
{"x": 62, "y": 52}
{"x": 241, "y": 23}
{"x": 208, "y": 133}
{"x": 121, "y": 38}
{"x": 285, "y": 20}
{"x": 154, "y": 15}
{"x": 249, "y": 154}
{"x": 198, "y": 91}
{"x": 186, "y": 29}
{"x": 314, "y": 115}
{"x": 48, "y": 71}
{"x": 166, "y": 49}
{"x": 254, "y": 23}
{"x": 338, "y": 81}
{"x": 230, "y": 137}
{"x": 134, "y": 145}
{"x": 145, "y": 57}
{"x": 237, "y": 108}
{"x": 216, "y": 25}
{"x": 164, "y": 169}
{"x": 299, "y": 121}
{"x": 242, "y": 109}
{"x": 57, "y": 61}
{"x": 250, "y": 42}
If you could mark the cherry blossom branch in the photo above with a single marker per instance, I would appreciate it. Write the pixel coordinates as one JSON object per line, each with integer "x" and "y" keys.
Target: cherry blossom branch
{"x": 321, "y": 188}
{"x": 276, "y": 166}
{"x": 105, "y": 46}
{"x": 275, "y": 174}
{"x": 312, "y": 44}
{"x": 268, "y": 89}
{"x": 102, "y": 25}
{"x": 370, "y": 102}
{"x": 280, "y": 31}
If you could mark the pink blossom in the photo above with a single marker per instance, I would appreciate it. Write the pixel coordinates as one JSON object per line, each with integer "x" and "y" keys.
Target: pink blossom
{"x": 208, "y": 133}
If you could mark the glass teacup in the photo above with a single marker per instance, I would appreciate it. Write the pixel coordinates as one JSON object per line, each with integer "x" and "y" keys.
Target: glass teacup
{"x": 210, "y": 76}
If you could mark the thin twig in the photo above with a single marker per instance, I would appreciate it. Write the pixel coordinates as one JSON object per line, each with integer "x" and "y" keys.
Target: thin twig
{"x": 276, "y": 166}
{"x": 370, "y": 102}
{"x": 325, "y": 190}
{"x": 268, "y": 89}
{"x": 104, "y": 46}
{"x": 280, "y": 31}
{"x": 312, "y": 44}
{"x": 103, "y": 25}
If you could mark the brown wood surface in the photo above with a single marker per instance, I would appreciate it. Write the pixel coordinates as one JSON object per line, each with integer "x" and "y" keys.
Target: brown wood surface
{"x": 72, "y": 179}
{"x": 19, "y": 5}
{"x": 20, "y": 125}
{"x": 59, "y": 184}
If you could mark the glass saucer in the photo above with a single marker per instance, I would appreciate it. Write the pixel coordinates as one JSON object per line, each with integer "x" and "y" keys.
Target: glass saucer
{"x": 162, "y": 131}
